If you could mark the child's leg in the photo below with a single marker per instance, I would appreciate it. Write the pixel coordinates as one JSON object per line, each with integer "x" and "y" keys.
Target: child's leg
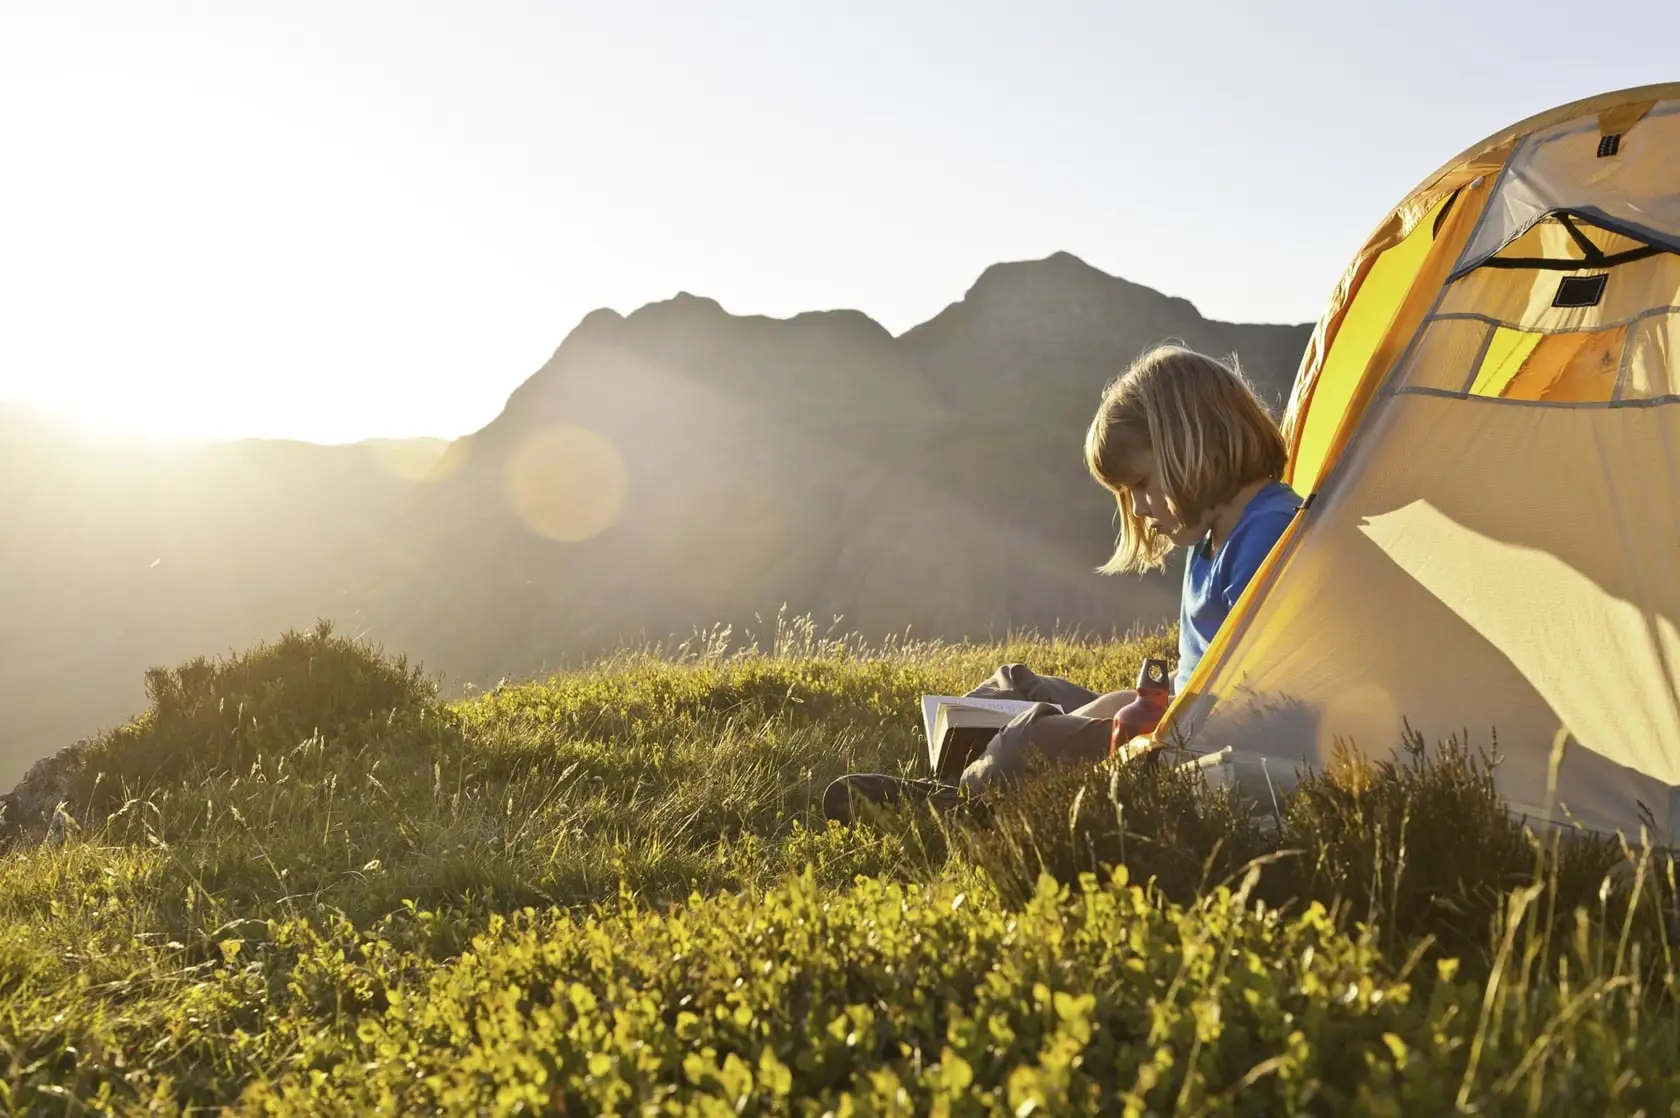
{"x": 1081, "y": 735}
{"x": 1106, "y": 706}
{"x": 1058, "y": 738}
{"x": 843, "y": 796}
{"x": 1017, "y": 681}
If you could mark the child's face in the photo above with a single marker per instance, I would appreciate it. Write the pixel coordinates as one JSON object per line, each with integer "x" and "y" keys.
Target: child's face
{"x": 1142, "y": 481}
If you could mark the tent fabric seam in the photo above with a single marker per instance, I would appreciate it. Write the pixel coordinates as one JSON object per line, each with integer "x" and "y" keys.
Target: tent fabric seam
{"x": 1623, "y": 366}
{"x": 1472, "y": 316}
{"x": 1605, "y": 405}
{"x": 1481, "y": 355}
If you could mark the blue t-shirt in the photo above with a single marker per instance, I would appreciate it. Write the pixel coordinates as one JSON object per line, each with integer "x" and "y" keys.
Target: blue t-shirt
{"x": 1214, "y": 582}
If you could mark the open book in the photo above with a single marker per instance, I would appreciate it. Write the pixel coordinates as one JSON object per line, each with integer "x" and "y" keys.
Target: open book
{"x": 958, "y": 728}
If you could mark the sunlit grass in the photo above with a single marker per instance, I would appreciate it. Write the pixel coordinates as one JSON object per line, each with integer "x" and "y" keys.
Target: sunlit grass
{"x": 302, "y": 881}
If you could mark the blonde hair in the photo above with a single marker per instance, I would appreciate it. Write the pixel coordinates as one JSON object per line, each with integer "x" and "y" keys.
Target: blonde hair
{"x": 1207, "y": 429}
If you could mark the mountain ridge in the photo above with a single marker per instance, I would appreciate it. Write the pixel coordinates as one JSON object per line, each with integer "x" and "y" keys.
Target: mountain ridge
{"x": 662, "y": 471}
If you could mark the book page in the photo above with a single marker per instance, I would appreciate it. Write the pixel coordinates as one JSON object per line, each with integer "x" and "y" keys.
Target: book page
{"x": 932, "y": 703}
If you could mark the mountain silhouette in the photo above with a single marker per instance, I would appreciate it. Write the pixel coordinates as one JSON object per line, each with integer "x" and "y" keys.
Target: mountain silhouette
{"x": 665, "y": 471}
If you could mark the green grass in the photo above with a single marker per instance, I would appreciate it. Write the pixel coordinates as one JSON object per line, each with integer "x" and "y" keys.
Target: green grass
{"x": 302, "y": 883}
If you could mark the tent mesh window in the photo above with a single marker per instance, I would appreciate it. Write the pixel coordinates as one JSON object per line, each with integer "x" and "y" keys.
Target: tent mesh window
{"x": 1569, "y": 312}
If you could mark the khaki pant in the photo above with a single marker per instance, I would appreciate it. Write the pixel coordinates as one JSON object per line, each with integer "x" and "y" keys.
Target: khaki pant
{"x": 1041, "y": 732}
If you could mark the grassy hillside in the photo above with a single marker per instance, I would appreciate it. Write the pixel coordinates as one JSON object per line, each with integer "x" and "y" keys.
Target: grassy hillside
{"x": 299, "y": 882}
{"x": 120, "y": 553}
{"x": 674, "y": 465}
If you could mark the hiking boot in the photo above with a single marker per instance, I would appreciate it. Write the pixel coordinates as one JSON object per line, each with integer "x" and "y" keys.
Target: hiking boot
{"x": 844, "y": 795}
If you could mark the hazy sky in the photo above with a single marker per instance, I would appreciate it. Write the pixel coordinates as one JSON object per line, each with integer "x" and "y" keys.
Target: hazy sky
{"x": 335, "y": 220}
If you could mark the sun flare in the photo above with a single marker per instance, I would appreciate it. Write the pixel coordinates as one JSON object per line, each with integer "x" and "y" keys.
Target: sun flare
{"x": 126, "y": 416}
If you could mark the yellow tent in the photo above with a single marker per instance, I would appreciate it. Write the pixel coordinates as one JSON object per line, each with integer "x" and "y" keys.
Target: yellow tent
{"x": 1486, "y": 425}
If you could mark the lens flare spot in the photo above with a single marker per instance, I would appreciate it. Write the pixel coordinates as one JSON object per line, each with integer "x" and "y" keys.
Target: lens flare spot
{"x": 566, "y": 483}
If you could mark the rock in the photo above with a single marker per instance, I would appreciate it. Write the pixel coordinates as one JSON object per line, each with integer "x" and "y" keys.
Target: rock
{"x": 38, "y": 808}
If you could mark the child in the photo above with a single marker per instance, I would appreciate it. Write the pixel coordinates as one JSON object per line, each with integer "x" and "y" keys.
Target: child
{"x": 1194, "y": 461}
